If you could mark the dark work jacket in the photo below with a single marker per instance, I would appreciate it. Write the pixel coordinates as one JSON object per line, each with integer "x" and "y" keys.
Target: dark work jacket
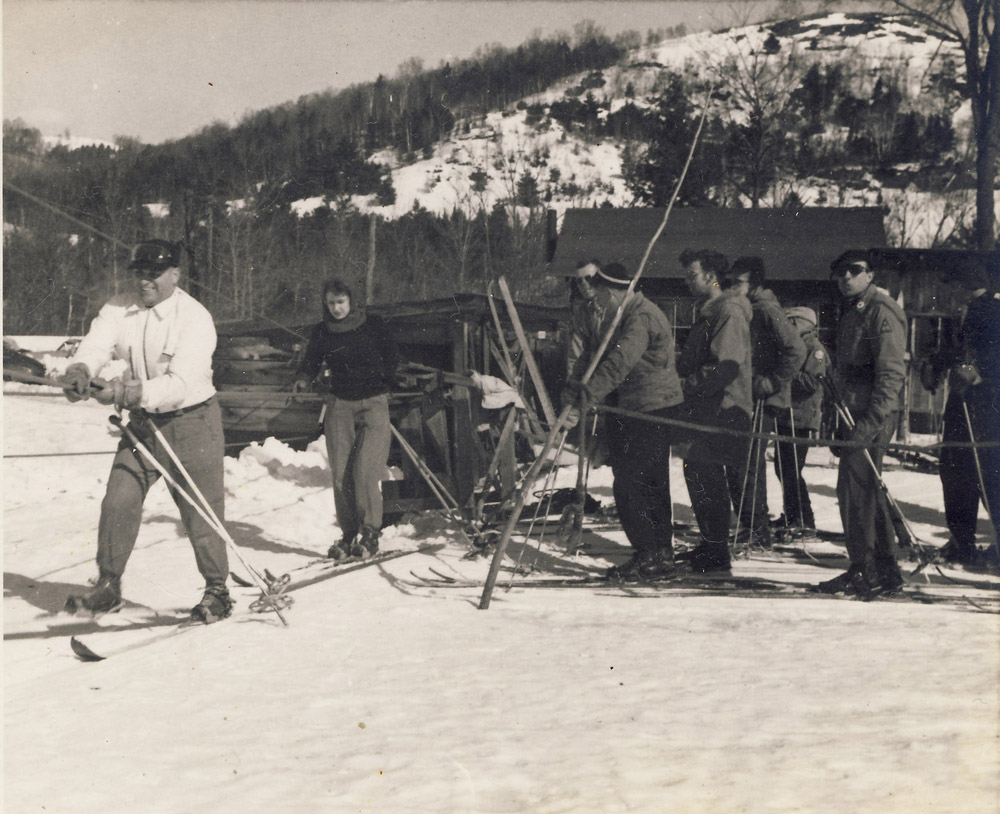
{"x": 980, "y": 338}
{"x": 361, "y": 359}
{"x": 638, "y": 365}
{"x": 715, "y": 373}
{"x": 870, "y": 366}
{"x": 978, "y": 344}
{"x": 778, "y": 352}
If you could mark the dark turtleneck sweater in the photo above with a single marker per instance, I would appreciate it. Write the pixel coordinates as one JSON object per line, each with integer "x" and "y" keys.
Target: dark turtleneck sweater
{"x": 359, "y": 352}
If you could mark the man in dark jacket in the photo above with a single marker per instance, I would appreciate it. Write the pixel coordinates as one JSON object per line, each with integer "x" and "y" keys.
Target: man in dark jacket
{"x": 801, "y": 420}
{"x": 360, "y": 357}
{"x": 869, "y": 372}
{"x": 636, "y": 373}
{"x": 715, "y": 375}
{"x": 777, "y": 354}
{"x": 972, "y": 366}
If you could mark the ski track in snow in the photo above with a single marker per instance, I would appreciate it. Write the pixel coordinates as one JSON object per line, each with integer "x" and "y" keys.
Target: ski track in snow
{"x": 381, "y": 696}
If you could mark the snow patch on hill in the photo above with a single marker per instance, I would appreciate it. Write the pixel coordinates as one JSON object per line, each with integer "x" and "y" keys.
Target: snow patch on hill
{"x": 481, "y": 165}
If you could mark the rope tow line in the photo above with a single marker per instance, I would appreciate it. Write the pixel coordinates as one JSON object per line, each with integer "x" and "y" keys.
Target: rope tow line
{"x": 790, "y": 439}
{"x": 119, "y": 242}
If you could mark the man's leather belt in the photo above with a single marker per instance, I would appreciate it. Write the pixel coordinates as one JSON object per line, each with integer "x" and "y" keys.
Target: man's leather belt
{"x": 174, "y": 413}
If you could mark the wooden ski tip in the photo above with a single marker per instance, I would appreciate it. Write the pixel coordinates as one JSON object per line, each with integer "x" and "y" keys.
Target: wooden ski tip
{"x": 83, "y": 652}
{"x": 238, "y": 580}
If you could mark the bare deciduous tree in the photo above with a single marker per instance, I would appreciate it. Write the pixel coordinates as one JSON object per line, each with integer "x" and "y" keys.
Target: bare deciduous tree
{"x": 974, "y": 26}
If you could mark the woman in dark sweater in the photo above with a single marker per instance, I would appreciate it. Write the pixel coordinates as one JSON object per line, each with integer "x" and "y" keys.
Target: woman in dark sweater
{"x": 361, "y": 357}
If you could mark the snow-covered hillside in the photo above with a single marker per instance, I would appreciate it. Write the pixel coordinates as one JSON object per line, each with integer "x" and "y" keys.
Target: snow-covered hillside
{"x": 480, "y": 167}
{"x": 482, "y": 162}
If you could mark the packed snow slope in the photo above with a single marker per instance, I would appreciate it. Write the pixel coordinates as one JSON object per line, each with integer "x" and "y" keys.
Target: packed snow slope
{"x": 386, "y": 694}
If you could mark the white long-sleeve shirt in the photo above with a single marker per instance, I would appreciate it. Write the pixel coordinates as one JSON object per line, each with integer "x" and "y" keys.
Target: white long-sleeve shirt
{"x": 169, "y": 347}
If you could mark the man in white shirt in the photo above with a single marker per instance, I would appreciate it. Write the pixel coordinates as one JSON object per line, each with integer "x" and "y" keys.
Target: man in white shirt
{"x": 167, "y": 339}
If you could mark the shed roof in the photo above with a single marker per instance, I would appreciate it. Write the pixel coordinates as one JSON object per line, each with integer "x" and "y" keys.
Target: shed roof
{"x": 795, "y": 244}
{"x": 423, "y": 314}
{"x": 935, "y": 261}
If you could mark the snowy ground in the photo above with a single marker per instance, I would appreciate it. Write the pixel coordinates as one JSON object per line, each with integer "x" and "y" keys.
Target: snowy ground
{"x": 386, "y": 697}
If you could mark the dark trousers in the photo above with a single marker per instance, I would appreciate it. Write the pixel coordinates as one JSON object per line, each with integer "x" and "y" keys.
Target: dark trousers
{"x": 196, "y": 438}
{"x": 958, "y": 472}
{"x": 358, "y": 436}
{"x": 864, "y": 511}
{"x": 789, "y": 460}
{"x": 640, "y": 461}
{"x": 710, "y": 499}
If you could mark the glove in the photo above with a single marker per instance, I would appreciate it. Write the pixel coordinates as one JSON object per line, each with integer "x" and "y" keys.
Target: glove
{"x": 407, "y": 381}
{"x": 964, "y": 376}
{"x": 576, "y": 391}
{"x": 124, "y": 395}
{"x": 840, "y": 434}
{"x": 804, "y": 385}
{"x": 76, "y": 382}
{"x": 930, "y": 376}
{"x": 130, "y": 397}
{"x": 864, "y": 433}
{"x": 572, "y": 418}
{"x": 301, "y": 386}
{"x": 763, "y": 387}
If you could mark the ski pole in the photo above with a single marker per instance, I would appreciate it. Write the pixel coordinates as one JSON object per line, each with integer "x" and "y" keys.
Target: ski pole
{"x": 979, "y": 467}
{"x": 548, "y": 491}
{"x": 208, "y": 516}
{"x": 845, "y": 413}
{"x": 757, "y": 418}
{"x": 572, "y": 521}
{"x": 781, "y": 471}
{"x": 760, "y": 451}
{"x": 440, "y": 492}
{"x": 798, "y": 469}
{"x": 448, "y": 503}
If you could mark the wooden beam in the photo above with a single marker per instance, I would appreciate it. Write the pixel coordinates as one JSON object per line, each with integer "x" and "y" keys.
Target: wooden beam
{"x": 529, "y": 357}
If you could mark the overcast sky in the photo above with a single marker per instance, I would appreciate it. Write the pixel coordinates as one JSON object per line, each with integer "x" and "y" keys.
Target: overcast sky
{"x": 161, "y": 69}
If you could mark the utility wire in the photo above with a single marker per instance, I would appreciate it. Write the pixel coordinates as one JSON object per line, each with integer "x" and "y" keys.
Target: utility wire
{"x": 118, "y": 242}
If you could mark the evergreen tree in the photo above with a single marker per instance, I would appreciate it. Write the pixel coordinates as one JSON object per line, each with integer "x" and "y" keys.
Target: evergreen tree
{"x": 672, "y": 123}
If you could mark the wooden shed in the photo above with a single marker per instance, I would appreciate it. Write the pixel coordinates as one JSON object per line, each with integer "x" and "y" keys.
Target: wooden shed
{"x": 796, "y": 244}
{"x": 934, "y": 318}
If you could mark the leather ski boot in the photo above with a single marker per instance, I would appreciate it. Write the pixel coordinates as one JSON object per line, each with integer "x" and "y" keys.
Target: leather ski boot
{"x": 341, "y": 549}
{"x": 707, "y": 557}
{"x": 366, "y": 544}
{"x": 215, "y": 604}
{"x": 104, "y": 597}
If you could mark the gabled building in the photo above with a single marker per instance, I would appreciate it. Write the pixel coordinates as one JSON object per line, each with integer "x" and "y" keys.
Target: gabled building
{"x": 796, "y": 245}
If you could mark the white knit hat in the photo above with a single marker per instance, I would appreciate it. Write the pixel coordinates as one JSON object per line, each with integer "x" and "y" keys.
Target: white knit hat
{"x": 801, "y": 312}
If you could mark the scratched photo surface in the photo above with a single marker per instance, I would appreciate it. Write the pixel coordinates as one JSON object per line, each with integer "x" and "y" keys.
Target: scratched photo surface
{"x": 389, "y": 687}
